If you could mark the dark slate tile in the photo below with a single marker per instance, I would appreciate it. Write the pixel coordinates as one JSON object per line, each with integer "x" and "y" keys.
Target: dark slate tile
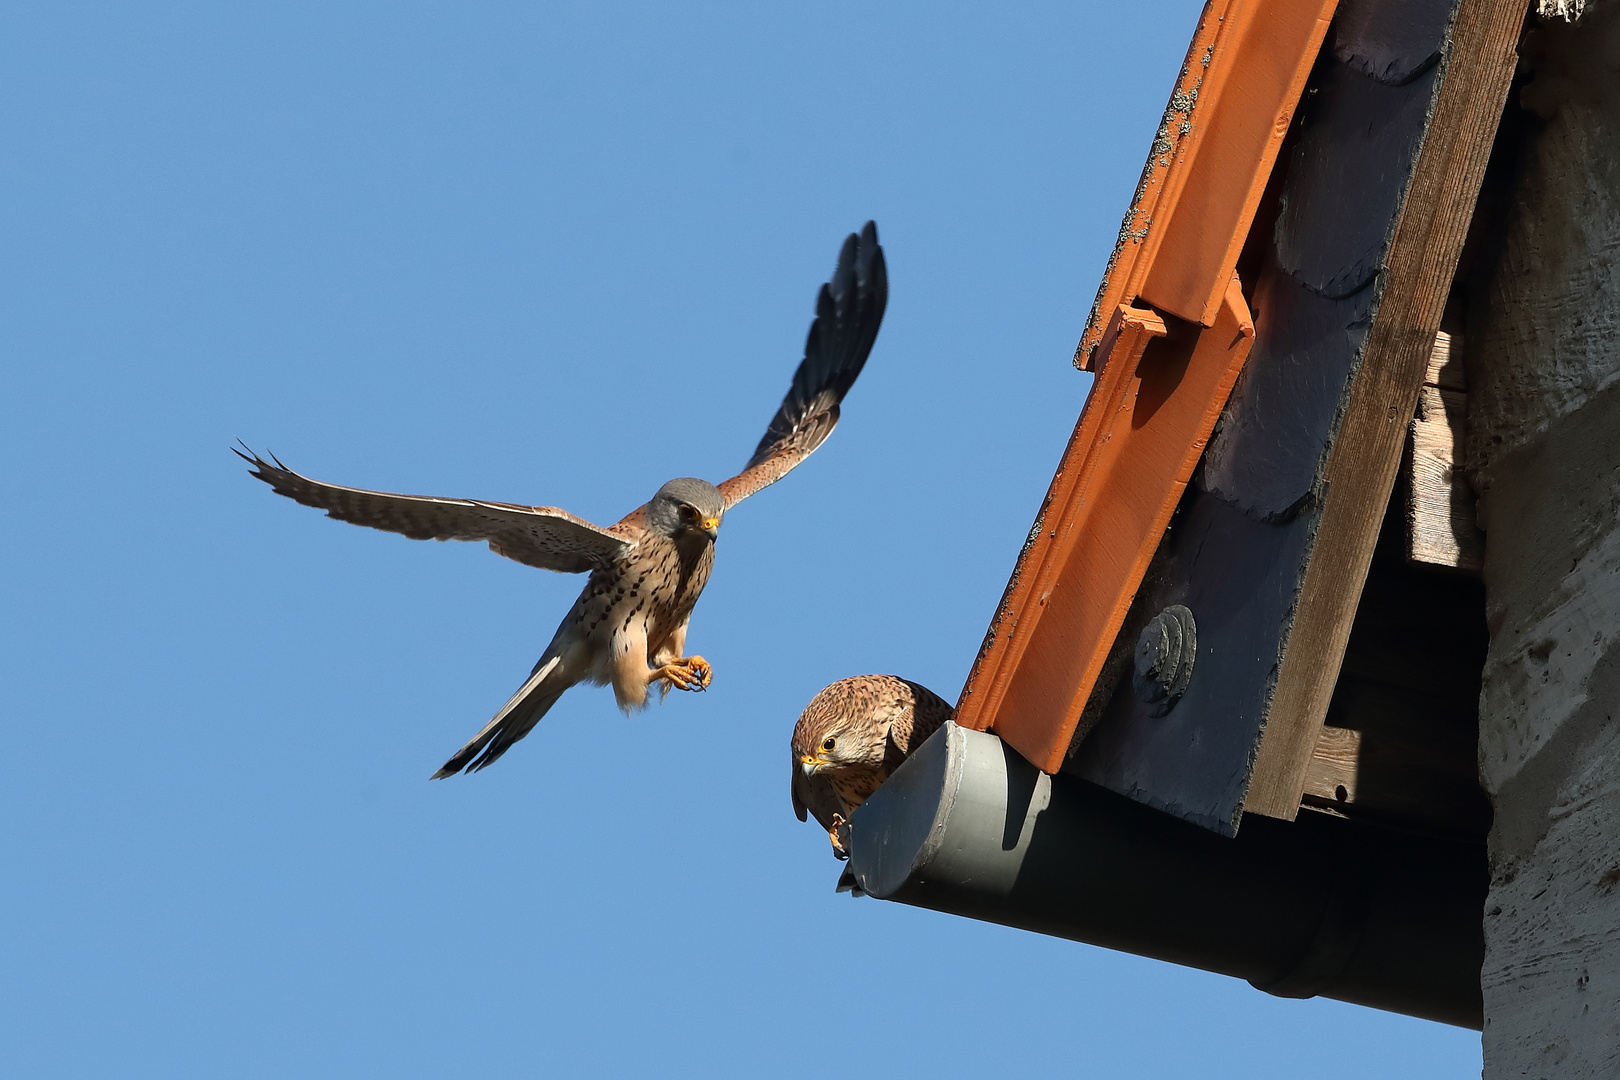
{"x": 1347, "y": 176}
{"x": 1268, "y": 452}
{"x": 1240, "y": 578}
{"x": 1393, "y": 41}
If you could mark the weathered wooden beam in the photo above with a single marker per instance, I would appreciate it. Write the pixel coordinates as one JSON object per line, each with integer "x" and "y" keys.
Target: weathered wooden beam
{"x": 1476, "y": 70}
{"x": 1385, "y": 779}
{"x": 1139, "y": 438}
{"x": 1401, "y": 746}
{"x": 1211, "y": 156}
{"x": 1445, "y": 368}
{"x": 1440, "y": 526}
{"x": 1330, "y": 779}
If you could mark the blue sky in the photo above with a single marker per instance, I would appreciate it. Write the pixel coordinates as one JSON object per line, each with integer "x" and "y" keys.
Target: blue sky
{"x": 552, "y": 254}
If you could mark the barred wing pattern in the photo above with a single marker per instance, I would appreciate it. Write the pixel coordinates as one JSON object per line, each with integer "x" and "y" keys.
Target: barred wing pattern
{"x": 541, "y": 536}
{"x": 849, "y": 311}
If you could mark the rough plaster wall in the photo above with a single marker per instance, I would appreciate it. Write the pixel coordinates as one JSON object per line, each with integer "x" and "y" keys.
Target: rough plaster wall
{"x": 1550, "y": 313}
{"x": 1544, "y": 450}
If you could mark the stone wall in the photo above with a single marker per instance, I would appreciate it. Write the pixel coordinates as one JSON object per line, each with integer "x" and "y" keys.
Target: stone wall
{"x": 1544, "y": 452}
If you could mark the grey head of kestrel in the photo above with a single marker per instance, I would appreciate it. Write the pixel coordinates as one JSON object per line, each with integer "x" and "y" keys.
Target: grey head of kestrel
{"x": 850, "y": 738}
{"x": 628, "y": 627}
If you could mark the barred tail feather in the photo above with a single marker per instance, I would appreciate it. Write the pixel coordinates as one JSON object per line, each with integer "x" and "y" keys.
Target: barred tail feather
{"x": 515, "y": 720}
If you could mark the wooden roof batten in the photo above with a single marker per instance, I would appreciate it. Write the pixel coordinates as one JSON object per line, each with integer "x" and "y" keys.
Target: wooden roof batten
{"x": 1167, "y": 336}
{"x": 1215, "y": 146}
{"x": 1347, "y": 259}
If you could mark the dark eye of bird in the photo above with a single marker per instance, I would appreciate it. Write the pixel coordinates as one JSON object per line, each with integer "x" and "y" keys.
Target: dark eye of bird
{"x": 828, "y": 743}
{"x": 688, "y": 514}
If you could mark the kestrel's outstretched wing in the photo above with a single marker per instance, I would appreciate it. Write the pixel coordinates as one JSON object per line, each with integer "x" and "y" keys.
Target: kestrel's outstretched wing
{"x": 849, "y": 311}
{"x": 541, "y": 536}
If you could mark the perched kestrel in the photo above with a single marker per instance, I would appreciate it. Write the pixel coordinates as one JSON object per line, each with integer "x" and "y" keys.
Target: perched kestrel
{"x": 628, "y": 627}
{"x": 849, "y": 739}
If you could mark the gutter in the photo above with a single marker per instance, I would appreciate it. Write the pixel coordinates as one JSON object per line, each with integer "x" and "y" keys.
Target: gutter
{"x": 1321, "y": 906}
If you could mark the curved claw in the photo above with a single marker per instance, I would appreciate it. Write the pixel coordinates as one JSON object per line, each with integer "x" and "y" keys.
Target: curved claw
{"x": 839, "y": 835}
{"x": 701, "y": 669}
{"x": 688, "y": 673}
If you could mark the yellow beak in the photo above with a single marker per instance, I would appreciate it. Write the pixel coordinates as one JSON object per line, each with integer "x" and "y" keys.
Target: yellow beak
{"x": 808, "y": 765}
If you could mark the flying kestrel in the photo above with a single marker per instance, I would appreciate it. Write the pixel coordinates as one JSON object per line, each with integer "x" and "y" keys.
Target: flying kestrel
{"x": 628, "y": 627}
{"x": 849, "y": 739}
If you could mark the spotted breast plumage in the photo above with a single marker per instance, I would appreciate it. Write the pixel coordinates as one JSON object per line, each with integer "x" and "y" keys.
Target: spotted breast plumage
{"x": 628, "y": 627}
{"x": 850, "y": 738}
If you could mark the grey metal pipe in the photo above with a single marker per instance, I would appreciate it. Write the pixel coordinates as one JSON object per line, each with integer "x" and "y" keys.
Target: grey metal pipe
{"x": 1316, "y": 906}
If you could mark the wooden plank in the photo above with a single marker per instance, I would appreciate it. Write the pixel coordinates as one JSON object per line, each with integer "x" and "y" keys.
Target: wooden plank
{"x": 1401, "y": 742}
{"x": 1446, "y": 363}
{"x": 1477, "y": 69}
{"x": 1139, "y": 438}
{"x": 1330, "y": 778}
{"x": 1440, "y": 526}
{"x": 1161, "y": 177}
{"x": 1394, "y": 782}
{"x": 1437, "y": 501}
{"x": 1233, "y": 148}
{"x": 1119, "y": 355}
{"x": 1211, "y": 156}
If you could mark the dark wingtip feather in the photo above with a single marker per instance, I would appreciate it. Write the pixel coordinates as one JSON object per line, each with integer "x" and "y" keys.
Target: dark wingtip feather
{"x": 849, "y": 312}
{"x": 459, "y": 762}
{"x": 497, "y": 746}
{"x": 476, "y": 755}
{"x": 262, "y": 469}
{"x": 247, "y": 454}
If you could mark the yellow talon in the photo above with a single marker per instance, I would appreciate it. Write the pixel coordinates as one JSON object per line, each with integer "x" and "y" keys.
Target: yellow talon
{"x": 701, "y": 670}
{"x": 839, "y": 835}
{"x": 689, "y": 673}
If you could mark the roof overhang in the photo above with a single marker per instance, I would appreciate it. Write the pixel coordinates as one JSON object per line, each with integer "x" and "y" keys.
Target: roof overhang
{"x": 1321, "y": 271}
